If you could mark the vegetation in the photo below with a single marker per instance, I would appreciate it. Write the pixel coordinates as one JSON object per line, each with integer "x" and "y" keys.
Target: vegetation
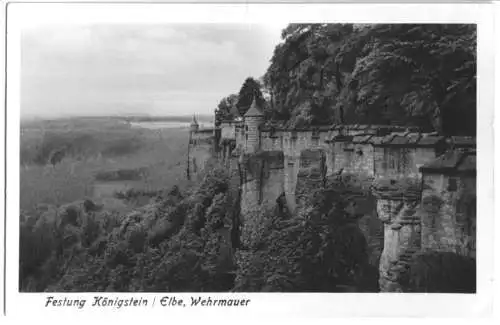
{"x": 250, "y": 91}
{"x": 441, "y": 272}
{"x": 319, "y": 250}
{"x": 182, "y": 242}
{"x": 419, "y": 75}
{"x": 172, "y": 244}
{"x": 227, "y": 108}
{"x": 41, "y": 140}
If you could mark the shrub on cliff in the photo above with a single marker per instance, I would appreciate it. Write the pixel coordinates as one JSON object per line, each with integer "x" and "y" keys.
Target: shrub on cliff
{"x": 316, "y": 250}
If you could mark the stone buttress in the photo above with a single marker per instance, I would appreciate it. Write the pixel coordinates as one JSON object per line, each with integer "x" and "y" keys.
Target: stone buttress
{"x": 262, "y": 184}
{"x": 397, "y": 207}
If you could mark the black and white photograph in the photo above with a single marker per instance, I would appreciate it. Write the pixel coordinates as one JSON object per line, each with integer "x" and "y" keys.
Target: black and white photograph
{"x": 248, "y": 157}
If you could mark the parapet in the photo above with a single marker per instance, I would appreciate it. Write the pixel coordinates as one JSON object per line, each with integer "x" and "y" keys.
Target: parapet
{"x": 372, "y": 129}
{"x": 409, "y": 140}
{"x": 365, "y": 133}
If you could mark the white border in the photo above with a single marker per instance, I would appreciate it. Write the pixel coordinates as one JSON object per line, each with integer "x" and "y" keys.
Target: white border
{"x": 292, "y": 305}
{"x": 2, "y": 166}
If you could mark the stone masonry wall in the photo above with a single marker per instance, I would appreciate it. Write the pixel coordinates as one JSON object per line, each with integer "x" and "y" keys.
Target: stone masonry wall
{"x": 311, "y": 175}
{"x": 449, "y": 214}
{"x": 263, "y": 183}
{"x": 362, "y": 160}
{"x": 200, "y": 152}
{"x": 273, "y": 179}
{"x": 435, "y": 217}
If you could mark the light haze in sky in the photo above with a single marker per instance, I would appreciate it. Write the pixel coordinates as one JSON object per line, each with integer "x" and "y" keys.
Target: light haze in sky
{"x": 109, "y": 69}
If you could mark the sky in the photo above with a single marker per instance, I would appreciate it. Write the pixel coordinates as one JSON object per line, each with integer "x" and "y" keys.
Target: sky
{"x": 156, "y": 69}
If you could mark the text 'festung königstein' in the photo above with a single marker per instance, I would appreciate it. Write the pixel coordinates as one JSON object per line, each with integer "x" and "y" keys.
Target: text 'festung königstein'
{"x": 163, "y": 301}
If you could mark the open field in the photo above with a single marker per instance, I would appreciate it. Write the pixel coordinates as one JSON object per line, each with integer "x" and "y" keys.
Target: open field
{"x": 96, "y": 146}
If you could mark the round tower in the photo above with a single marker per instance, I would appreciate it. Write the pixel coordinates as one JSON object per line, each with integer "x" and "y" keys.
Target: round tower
{"x": 253, "y": 119}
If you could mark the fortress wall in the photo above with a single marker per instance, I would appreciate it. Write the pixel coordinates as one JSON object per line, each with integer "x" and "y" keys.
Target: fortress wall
{"x": 252, "y": 169}
{"x": 399, "y": 162}
{"x": 398, "y": 156}
{"x": 330, "y": 158}
{"x": 272, "y": 141}
{"x": 263, "y": 184}
{"x": 343, "y": 155}
{"x": 263, "y": 177}
{"x": 449, "y": 214}
{"x": 311, "y": 175}
{"x": 291, "y": 169}
{"x": 392, "y": 163}
{"x": 421, "y": 156}
{"x": 292, "y": 144}
{"x": 228, "y": 130}
{"x": 436, "y": 218}
{"x": 272, "y": 186}
{"x": 250, "y": 196}
{"x": 200, "y": 153}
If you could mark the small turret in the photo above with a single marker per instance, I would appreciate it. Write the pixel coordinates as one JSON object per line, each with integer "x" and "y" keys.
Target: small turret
{"x": 194, "y": 126}
{"x": 254, "y": 111}
{"x": 253, "y": 119}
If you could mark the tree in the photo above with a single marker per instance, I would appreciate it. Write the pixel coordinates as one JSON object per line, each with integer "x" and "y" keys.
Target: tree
{"x": 409, "y": 73}
{"x": 422, "y": 75}
{"x": 226, "y": 110}
{"x": 250, "y": 90}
